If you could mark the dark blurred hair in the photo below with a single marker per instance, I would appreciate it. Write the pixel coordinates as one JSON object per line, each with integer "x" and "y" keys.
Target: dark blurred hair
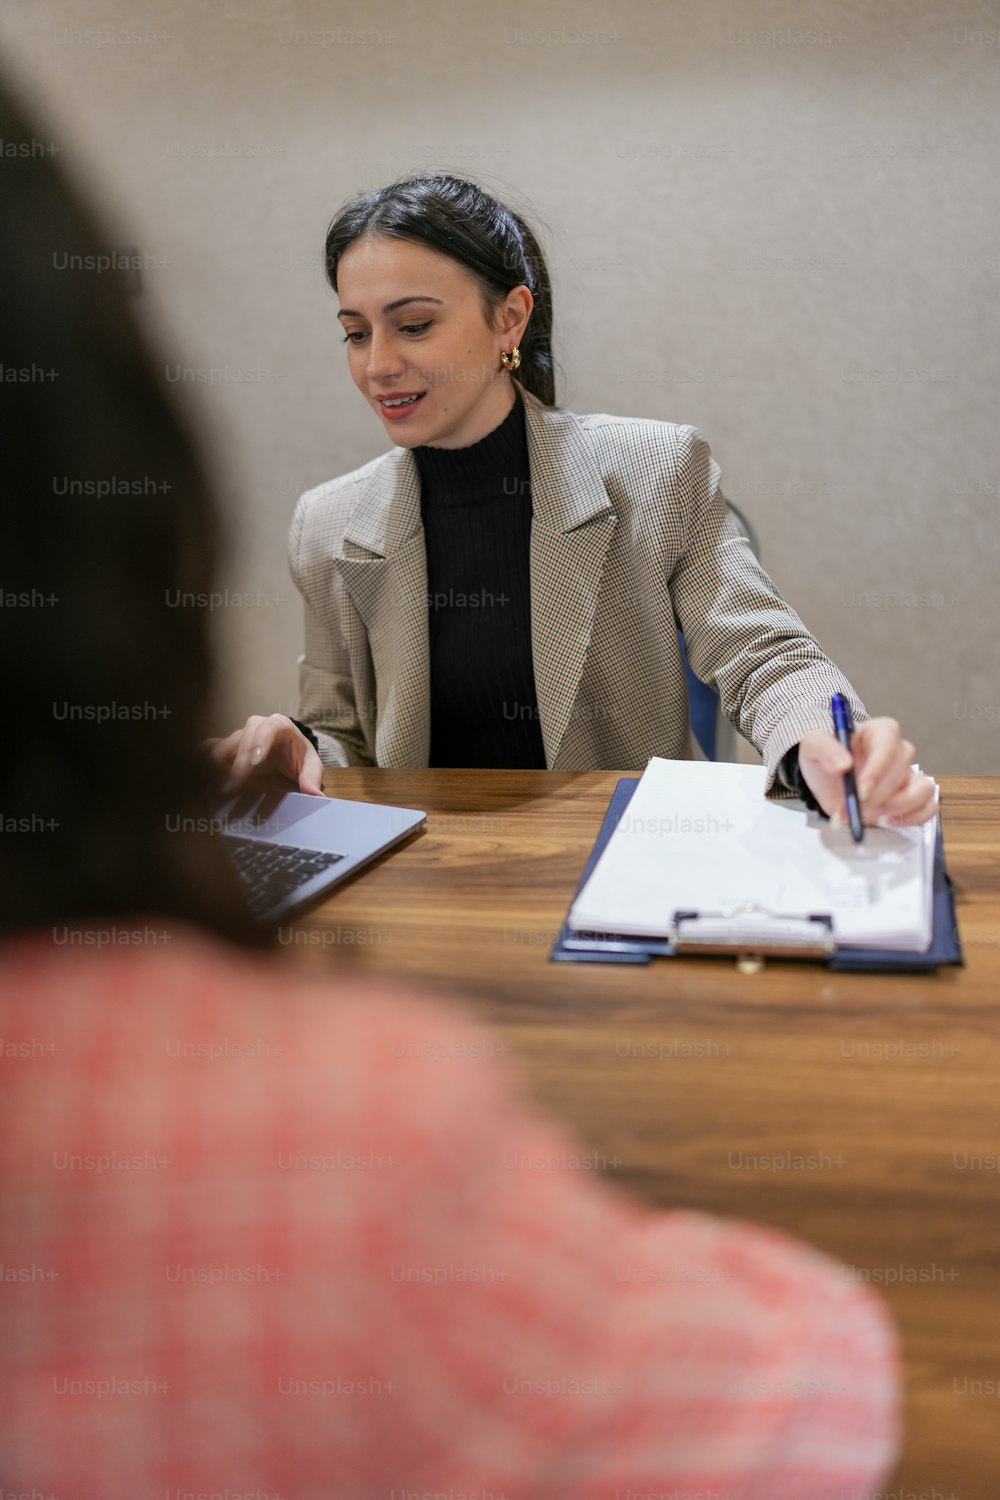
{"x": 94, "y": 812}
{"x": 463, "y": 221}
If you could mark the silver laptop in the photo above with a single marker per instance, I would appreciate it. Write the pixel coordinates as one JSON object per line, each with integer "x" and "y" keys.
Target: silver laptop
{"x": 288, "y": 847}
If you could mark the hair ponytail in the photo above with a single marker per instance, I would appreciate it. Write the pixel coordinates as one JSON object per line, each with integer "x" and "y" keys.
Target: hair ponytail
{"x": 536, "y": 371}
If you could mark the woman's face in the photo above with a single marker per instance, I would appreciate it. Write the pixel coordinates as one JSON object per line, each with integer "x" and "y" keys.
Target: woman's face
{"x": 437, "y": 346}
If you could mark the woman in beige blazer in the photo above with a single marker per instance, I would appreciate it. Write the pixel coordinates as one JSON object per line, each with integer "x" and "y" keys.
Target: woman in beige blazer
{"x": 607, "y": 530}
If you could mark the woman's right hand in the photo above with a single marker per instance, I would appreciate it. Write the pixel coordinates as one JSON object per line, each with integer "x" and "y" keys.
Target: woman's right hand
{"x": 272, "y": 745}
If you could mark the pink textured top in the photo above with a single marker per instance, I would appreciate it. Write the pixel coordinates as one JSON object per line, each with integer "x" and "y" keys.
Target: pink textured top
{"x": 266, "y": 1235}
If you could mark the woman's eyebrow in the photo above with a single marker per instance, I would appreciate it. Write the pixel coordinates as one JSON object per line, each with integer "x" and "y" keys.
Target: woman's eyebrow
{"x": 351, "y": 312}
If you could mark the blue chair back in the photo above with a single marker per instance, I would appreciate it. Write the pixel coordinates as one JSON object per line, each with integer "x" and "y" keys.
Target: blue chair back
{"x": 703, "y": 707}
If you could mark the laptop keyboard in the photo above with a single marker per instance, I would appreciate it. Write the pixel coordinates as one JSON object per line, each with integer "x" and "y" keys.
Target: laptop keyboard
{"x": 272, "y": 872}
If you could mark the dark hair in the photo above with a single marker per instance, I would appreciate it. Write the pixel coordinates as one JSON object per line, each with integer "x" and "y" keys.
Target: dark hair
{"x": 463, "y": 221}
{"x": 108, "y": 523}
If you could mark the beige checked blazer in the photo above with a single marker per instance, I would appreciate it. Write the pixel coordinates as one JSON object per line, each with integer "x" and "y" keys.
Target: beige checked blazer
{"x": 630, "y": 535}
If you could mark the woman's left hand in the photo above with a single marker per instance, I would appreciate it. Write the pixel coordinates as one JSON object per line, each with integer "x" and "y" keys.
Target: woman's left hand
{"x": 888, "y": 788}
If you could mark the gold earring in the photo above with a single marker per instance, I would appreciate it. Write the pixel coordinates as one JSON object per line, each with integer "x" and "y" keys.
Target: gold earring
{"x": 512, "y": 360}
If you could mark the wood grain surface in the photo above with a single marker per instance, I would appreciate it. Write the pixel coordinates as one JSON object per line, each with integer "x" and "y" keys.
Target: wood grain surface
{"x": 860, "y": 1111}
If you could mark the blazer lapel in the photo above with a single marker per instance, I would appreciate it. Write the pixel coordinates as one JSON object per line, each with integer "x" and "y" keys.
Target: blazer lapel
{"x": 384, "y": 569}
{"x": 571, "y": 531}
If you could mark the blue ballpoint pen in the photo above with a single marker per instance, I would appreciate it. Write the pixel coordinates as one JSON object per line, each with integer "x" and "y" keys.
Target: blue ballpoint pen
{"x": 843, "y": 728}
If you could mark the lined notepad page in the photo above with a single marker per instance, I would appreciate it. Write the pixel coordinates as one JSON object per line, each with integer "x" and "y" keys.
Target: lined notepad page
{"x": 701, "y": 836}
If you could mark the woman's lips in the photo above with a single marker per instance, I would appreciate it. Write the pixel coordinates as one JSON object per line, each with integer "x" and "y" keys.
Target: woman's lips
{"x": 396, "y": 413}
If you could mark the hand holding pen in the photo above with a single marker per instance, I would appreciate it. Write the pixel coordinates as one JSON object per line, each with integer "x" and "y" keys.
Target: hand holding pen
{"x": 890, "y": 793}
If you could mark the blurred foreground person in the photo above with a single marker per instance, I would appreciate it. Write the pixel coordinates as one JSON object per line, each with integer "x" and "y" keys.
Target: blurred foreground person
{"x": 273, "y": 1236}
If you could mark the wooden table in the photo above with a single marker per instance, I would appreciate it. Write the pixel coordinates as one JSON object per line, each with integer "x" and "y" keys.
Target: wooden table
{"x": 676, "y": 1071}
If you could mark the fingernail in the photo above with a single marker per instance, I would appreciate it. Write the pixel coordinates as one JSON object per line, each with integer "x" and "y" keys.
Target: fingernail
{"x": 865, "y": 790}
{"x": 257, "y": 753}
{"x": 838, "y": 820}
{"x": 883, "y": 822}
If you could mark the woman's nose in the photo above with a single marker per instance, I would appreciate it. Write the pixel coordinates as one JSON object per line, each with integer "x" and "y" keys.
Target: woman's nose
{"x": 383, "y": 357}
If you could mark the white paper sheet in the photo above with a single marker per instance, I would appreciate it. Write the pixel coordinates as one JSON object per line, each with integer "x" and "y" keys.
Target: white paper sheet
{"x": 702, "y": 836}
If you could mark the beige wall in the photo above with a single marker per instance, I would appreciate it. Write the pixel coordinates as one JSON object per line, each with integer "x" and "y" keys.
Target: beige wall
{"x": 779, "y": 222}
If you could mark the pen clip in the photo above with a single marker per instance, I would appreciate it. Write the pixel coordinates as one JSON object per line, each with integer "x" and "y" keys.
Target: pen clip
{"x": 843, "y": 719}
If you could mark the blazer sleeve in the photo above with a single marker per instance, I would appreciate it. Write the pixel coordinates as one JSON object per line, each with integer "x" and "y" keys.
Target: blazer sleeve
{"x": 773, "y": 679}
{"x": 327, "y": 698}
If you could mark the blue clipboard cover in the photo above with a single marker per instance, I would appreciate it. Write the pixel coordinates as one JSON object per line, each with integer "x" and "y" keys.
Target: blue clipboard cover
{"x": 586, "y": 947}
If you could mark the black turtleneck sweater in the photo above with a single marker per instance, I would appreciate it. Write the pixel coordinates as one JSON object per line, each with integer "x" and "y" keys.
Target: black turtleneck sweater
{"x": 476, "y": 508}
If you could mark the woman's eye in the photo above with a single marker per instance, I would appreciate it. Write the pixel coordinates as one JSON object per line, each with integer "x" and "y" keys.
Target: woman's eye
{"x": 356, "y": 335}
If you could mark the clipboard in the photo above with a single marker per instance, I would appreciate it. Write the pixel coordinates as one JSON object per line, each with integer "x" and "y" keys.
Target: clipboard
{"x": 779, "y": 936}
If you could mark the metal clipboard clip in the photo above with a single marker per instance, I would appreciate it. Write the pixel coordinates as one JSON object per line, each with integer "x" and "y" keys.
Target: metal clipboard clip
{"x": 753, "y": 930}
